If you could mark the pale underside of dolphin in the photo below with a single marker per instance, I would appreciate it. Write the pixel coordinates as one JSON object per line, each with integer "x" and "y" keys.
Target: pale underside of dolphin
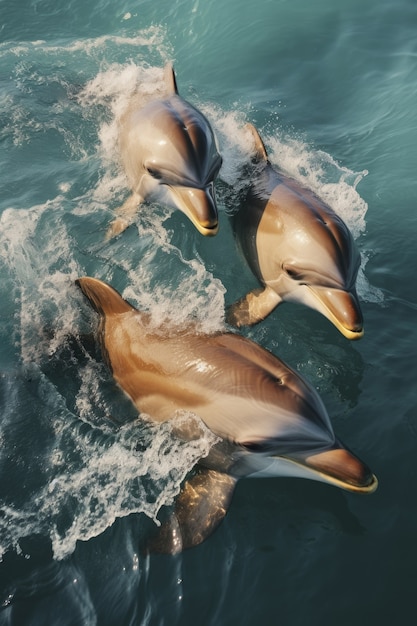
{"x": 170, "y": 154}
{"x": 299, "y": 249}
{"x": 270, "y": 420}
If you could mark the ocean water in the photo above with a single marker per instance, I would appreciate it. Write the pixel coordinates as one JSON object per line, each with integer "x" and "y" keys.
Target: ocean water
{"x": 332, "y": 88}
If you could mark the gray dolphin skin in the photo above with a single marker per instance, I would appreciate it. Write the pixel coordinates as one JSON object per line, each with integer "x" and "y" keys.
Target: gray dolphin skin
{"x": 170, "y": 154}
{"x": 299, "y": 249}
{"x": 270, "y": 420}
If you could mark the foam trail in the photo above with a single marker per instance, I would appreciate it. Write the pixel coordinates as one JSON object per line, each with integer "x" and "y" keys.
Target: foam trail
{"x": 194, "y": 295}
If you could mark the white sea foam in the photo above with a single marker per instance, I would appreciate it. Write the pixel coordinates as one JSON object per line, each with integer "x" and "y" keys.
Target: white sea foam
{"x": 115, "y": 480}
{"x": 96, "y": 475}
{"x": 43, "y": 269}
{"x": 236, "y": 144}
{"x": 321, "y": 173}
{"x": 152, "y": 37}
{"x": 193, "y": 296}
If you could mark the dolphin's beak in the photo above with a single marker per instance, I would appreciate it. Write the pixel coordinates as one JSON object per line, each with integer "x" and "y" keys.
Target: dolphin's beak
{"x": 199, "y": 206}
{"x": 338, "y": 467}
{"x": 341, "y": 308}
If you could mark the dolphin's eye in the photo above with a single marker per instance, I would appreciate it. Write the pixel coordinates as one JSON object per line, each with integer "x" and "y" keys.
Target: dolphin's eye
{"x": 292, "y": 272}
{"x": 255, "y": 446}
{"x": 302, "y": 277}
{"x": 154, "y": 173}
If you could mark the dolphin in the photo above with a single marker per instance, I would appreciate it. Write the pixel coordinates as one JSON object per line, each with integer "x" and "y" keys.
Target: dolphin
{"x": 299, "y": 249}
{"x": 170, "y": 154}
{"x": 269, "y": 420}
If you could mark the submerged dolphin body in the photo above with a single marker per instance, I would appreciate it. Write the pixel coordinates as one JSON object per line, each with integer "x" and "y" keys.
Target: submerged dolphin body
{"x": 170, "y": 154}
{"x": 299, "y": 250}
{"x": 270, "y": 420}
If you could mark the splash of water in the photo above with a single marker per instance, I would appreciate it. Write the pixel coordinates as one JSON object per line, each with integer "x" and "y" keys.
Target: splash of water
{"x": 92, "y": 475}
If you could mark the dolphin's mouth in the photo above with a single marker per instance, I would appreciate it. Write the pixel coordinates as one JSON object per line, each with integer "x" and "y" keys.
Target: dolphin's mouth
{"x": 341, "y": 468}
{"x": 199, "y": 206}
{"x": 341, "y": 308}
{"x": 207, "y": 231}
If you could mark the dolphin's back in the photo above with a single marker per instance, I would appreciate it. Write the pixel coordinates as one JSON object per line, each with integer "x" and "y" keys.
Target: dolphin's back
{"x": 247, "y": 219}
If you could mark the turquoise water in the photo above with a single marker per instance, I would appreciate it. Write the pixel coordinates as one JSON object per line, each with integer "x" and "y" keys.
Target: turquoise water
{"x": 332, "y": 89}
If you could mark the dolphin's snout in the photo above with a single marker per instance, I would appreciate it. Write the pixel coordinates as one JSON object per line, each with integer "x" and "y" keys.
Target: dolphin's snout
{"x": 342, "y": 308}
{"x": 345, "y": 468}
{"x": 200, "y": 207}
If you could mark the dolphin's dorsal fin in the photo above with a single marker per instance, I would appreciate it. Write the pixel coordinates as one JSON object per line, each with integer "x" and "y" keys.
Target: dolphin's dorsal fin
{"x": 104, "y": 299}
{"x": 170, "y": 79}
{"x": 260, "y": 150}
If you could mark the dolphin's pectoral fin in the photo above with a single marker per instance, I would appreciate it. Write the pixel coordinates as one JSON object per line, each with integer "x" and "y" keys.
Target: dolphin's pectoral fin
{"x": 200, "y": 507}
{"x": 124, "y": 217}
{"x": 253, "y": 308}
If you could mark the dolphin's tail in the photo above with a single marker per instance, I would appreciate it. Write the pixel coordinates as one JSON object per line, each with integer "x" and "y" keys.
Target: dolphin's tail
{"x": 104, "y": 299}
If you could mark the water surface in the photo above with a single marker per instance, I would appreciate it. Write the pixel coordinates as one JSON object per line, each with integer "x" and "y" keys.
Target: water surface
{"x": 332, "y": 88}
